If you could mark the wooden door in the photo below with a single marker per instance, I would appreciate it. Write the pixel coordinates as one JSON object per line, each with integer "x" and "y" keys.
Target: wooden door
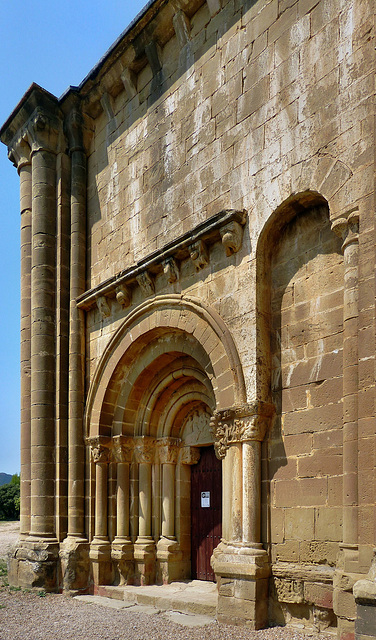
{"x": 206, "y": 512}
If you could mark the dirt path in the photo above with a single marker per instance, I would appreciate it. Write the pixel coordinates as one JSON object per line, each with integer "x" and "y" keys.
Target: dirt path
{"x": 8, "y": 535}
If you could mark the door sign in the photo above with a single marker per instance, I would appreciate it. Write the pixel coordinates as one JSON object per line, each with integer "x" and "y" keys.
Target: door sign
{"x": 205, "y": 499}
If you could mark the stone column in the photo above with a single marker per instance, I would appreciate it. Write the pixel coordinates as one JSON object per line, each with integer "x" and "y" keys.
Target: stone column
{"x": 100, "y": 548}
{"x": 43, "y": 133}
{"x": 144, "y": 548}
{"x": 19, "y": 154}
{"x": 347, "y": 228}
{"x": 74, "y": 552}
{"x": 168, "y": 553}
{"x": 122, "y": 547}
{"x": 240, "y": 562}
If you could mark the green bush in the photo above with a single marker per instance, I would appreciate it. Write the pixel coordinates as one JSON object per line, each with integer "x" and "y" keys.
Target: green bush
{"x": 10, "y": 499}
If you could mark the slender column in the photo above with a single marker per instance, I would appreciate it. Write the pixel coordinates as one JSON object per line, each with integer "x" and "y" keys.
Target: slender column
{"x": 168, "y": 455}
{"x": 76, "y": 448}
{"x": 20, "y": 155}
{"x": 144, "y": 548}
{"x": 347, "y": 229}
{"x": 43, "y": 133}
{"x": 144, "y": 517}
{"x": 100, "y": 454}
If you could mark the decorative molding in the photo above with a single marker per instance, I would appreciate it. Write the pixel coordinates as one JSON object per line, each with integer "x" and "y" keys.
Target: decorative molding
{"x": 100, "y": 448}
{"x": 242, "y": 423}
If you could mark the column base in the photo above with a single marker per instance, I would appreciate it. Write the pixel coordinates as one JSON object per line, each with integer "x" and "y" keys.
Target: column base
{"x": 169, "y": 563}
{"x": 365, "y": 598}
{"x": 345, "y": 576}
{"x": 100, "y": 557}
{"x": 242, "y": 575}
{"x": 33, "y": 564}
{"x": 75, "y": 565}
{"x": 122, "y": 556}
{"x": 144, "y": 561}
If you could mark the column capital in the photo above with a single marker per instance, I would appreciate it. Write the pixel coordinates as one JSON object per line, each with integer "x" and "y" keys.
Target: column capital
{"x": 74, "y": 129}
{"x": 99, "y": 448}
{"x": 19, "y": 152}
{"x": 189, "y": 455}
{"x": 347, "y": 228}
{"x": 44, "y": 131}
{"x": 168, "y": 450}
{"x": 241, "y": 423}
{"x": 144, "y": 449}
{"x": 122, "y": 447}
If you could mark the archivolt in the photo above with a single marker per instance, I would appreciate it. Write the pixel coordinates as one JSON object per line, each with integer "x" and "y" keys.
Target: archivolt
{"x": 178, "y": 328}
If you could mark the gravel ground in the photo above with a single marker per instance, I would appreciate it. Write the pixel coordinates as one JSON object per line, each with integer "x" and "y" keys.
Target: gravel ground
{"x": 28, "y": 616}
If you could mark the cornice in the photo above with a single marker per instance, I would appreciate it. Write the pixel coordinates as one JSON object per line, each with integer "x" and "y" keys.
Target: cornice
{"x": 225, "y": 226}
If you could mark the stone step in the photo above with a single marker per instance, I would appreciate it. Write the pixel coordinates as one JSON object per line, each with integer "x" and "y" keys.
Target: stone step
{"x": 195, "y": 597}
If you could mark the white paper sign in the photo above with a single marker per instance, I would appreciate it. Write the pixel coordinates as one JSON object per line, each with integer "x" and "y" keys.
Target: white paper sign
{"x": 205, "y": 498}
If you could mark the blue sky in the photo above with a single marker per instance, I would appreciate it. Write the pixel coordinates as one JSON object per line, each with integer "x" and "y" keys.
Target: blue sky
{"x": 54, "y": 44}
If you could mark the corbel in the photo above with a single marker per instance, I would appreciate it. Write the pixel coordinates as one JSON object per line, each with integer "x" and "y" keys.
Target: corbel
{"x": 123, "y": 295}
{"x": 103, "y": 307}
{"x": 146, "y": 283}
{"x": 152, "y": 54}
{"x": 182, "y": 27}
{"x": 199, "y": 254}
{"x": 214, "y": 6}
{"x": 108, "y": 107}
{"x": 171, "y": 270}
{"x": 232, "y": 237}
{"x": 129, "y": 80}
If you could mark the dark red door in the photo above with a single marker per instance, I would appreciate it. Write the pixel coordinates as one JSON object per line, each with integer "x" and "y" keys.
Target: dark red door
{"x": 206, "y": 512}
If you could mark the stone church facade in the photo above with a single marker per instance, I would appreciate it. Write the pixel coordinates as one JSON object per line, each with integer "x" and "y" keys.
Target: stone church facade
{"x": 198, "y": 313}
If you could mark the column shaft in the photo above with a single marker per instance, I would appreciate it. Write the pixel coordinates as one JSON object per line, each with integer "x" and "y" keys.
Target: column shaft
{"x": 25, "y": 201}
{"x": 144, "y": 518}
{"x": 168, "y": 500}
{"x": 251, "y": 452}
{"x": 101, "y": 500}
{"x": 43, "y": 343}
{"x": 122, "y": 500}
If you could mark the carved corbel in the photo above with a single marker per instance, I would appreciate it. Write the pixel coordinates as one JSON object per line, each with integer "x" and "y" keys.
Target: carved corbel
{"x": 100, "y": 449}
{"x": 123, "y": 447}
{"x": 103, "y": 307}
{"x": 168, "y": 450}
{"x": 232, "y": 237}
{"x": 199, "y": 255}
{"x": 108, "y": 107}
{"x": 144, "y": 451}
{"x": 129, "y": 80}
{"x": 170, "y": 268}
{"x": 189, "y": 455}
{"x": 242, "y": 423}
{"x": 146, "y": 283}
{"x": 123, "y": 295}
{"x": 153, "y": 56}
{"x": 347, "y": 228}
{"x": 182, "y": 27}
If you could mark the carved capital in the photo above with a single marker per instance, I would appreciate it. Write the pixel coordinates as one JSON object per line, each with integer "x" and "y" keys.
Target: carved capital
{"x": 103, "y": 307}
{"x": 168, "y": 450}
{"x": 144, "y": 449}
{"x": 146, "y": 283}
{"x": 189, "y": 455}
{"x": 232, "y": 237}
{"x": 123, "y": 447}
{"x": 171, "y": 270}
{"x": 123, "y": 295}
{"x": 43, "y": 131}
{"x": 74, "y": 127}
{"x": 242, "y": 423}
{"x": 347, "y": 228}
{"x": 19, "y": 152}
{"x": 199, "y": 255}
{"x": 100, "y": 449}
